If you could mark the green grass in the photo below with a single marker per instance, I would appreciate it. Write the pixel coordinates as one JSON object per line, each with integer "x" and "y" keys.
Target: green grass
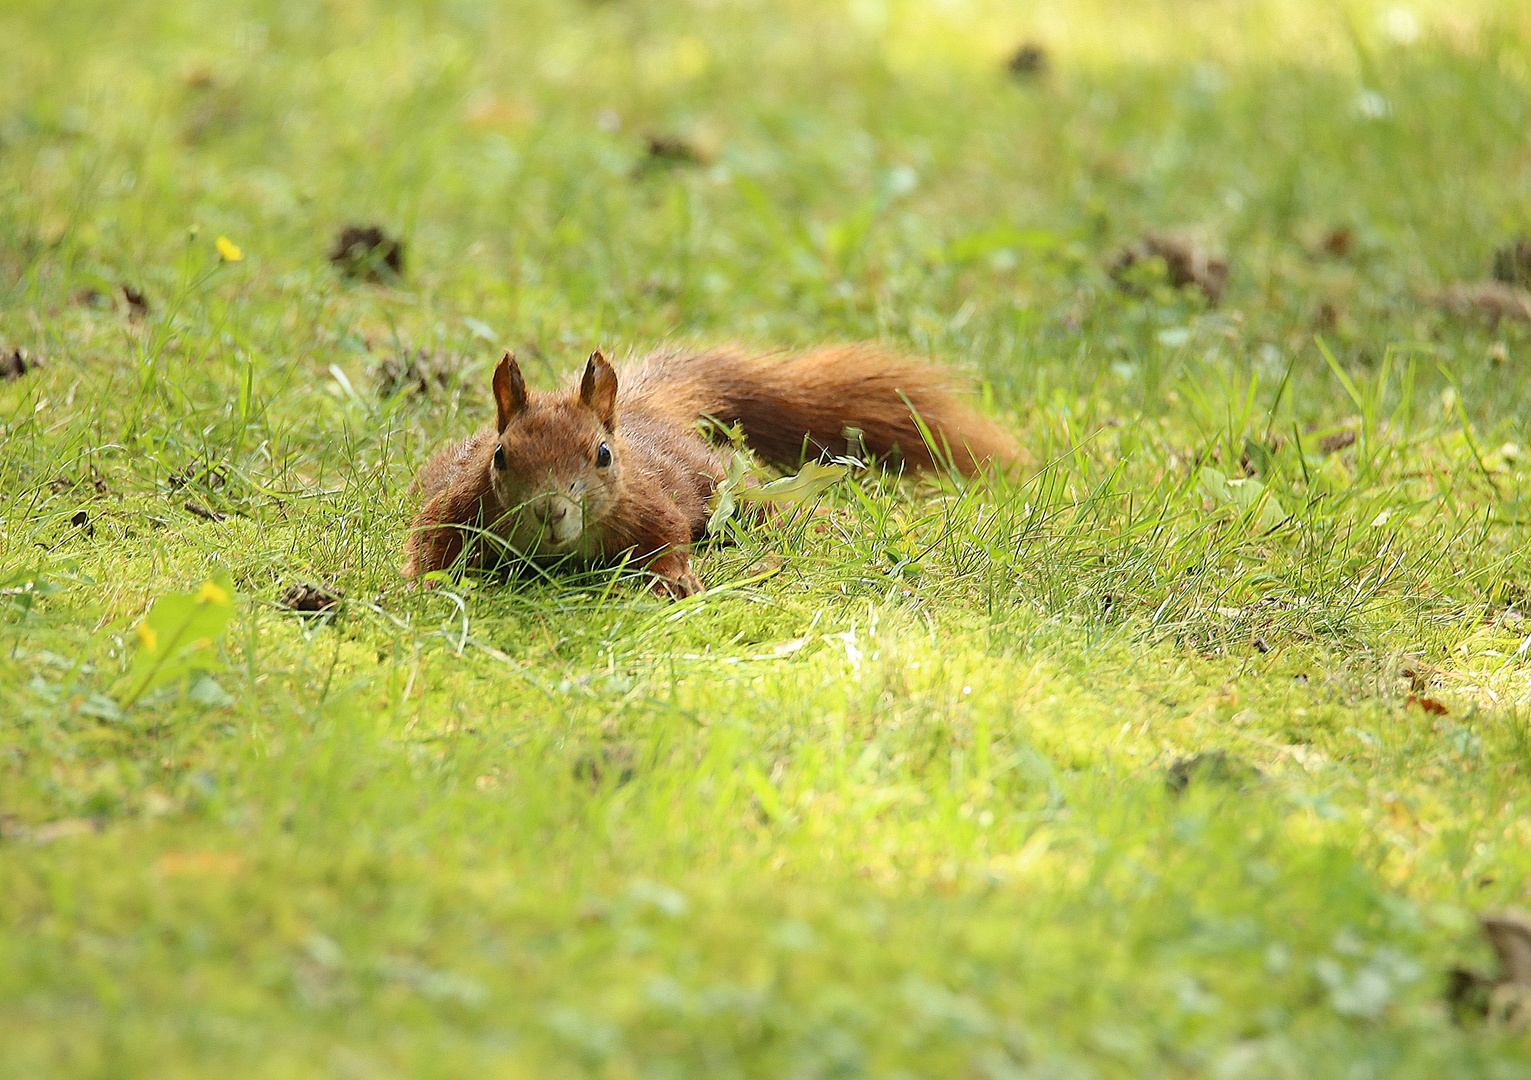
{"x": 899, "y": 810}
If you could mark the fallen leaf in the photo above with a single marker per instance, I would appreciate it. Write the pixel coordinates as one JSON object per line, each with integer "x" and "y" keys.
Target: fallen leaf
{"x": 49, "y": 831}
{"x": 1339, "y": 440}
{"x": 1491, "y": 300}
{"x": 766, "y": 566}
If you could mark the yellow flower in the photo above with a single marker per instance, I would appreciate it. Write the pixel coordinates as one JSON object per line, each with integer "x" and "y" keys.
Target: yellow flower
{"x": 227, "y": 251}
{"x": 211, "y": 593}
{"x": 148, "y": 637}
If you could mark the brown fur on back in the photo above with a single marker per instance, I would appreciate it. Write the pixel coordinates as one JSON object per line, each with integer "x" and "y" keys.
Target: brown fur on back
{"x": 448, "y": 462}
{"x": 452, "y": 495}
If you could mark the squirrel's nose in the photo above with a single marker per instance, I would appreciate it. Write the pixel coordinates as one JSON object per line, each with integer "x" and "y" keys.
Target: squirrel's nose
{"x": 550, "y": 510}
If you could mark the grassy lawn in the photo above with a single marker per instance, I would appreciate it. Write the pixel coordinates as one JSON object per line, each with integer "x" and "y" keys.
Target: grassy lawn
{"x": 905, "y": 793}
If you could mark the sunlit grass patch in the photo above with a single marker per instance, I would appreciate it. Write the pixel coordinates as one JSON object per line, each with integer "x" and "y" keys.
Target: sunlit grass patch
{"x": 1193, "y": 752}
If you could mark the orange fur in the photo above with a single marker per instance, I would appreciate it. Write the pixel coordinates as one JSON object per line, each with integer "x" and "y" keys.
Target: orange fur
{"x": 798, "y": 406}
{"x": 543, "y": 459}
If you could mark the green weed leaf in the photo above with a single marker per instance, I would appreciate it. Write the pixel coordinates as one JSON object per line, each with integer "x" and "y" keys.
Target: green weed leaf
{"x": 812, "y": 480}
{"x": 725, "y": 497}
{"x": 22, "y": 588}
{"x": 1248, "y": 497}
{"x": 178, "y": 637}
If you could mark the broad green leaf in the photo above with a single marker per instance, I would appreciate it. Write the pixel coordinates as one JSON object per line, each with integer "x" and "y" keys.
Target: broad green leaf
{"x": 724, "y": 498}
{"x": 1248, "y": 497}
{"x": 812, "y": 480}
{"x": 178, "y": 637}
{"x": 1256, "y": 503}
{"x": 1214, "y": 485}
{"x": 206, "y": 691}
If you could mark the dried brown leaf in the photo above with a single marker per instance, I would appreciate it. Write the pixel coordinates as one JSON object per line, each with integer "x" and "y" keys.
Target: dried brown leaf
{"x": 1491, "y": 300}
{"x": 1186, "y": 263}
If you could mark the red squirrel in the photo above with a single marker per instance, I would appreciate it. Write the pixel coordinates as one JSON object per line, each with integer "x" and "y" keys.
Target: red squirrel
{"x": 615, "y": 466}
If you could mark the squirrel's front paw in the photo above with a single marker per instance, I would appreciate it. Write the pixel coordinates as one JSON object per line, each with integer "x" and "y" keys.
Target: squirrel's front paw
{"x": 673, "y": 577}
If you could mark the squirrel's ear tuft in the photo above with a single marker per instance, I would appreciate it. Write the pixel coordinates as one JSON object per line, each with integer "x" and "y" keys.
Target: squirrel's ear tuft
{"x": 509, "y": 391}
{"x": 598, "y": 389}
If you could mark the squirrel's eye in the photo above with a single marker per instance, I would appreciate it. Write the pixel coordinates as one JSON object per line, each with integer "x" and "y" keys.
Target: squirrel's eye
{"x": 499, "y": 458}
{"x": 603, "y": 456}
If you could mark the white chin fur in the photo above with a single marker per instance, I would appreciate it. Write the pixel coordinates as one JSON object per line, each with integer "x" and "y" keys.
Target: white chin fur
{"x": 566, "y": 532}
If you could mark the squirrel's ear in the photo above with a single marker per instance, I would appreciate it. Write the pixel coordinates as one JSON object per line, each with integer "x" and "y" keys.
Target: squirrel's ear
{"x": 509, "y": 391}
{"x": 598, "y": 389}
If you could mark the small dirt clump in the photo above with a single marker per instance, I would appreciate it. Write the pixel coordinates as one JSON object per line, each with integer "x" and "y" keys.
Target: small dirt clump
{"x": 671, "y": 150}
{"x": 1213, "y": 766}
{"x": 367, "y": 252}
{"x": 610, "y": 762}
{"x": 1504, "y": 998}
{"x": 199, "y": 476}
{"x": 419, "y": 372}
{"x": 1512, "y": 263}
{"x": 60, "y": 484}
{"x": 309, "y": 599}
{"x": 666, "y": 148}
{"x": 14, "y": 363}
{"x": 1028, "y": 61}
{"x": 138, "y": 303}
{"x": 1339, "y": 242}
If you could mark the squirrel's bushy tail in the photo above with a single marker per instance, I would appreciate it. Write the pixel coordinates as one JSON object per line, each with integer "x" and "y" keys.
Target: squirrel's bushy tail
{"x": 798, "y": 406}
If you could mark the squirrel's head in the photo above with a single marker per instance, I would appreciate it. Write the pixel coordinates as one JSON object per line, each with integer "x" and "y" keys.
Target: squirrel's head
{"x": 557, "y": 465}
